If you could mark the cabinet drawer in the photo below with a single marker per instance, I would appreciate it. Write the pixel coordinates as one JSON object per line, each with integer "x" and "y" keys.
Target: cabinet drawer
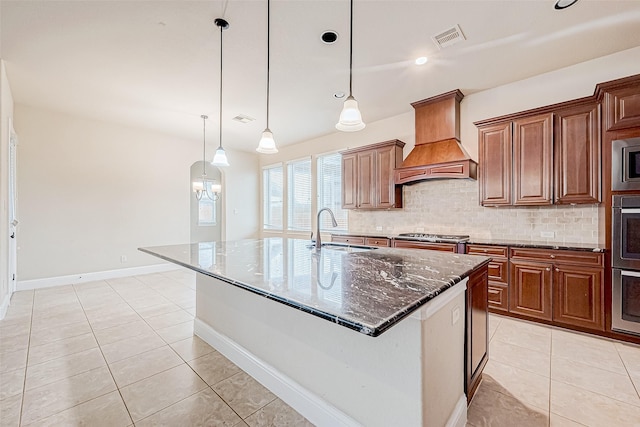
{"x": 353, "y": 240}
{"x": 446, "y": 247}
{"x": 498, "y": 296}
{"x": 595, "y": 259}
{"x": 499, "y": 270}
{"x": 376, "y": 241}
{"x": 501, "y": 251}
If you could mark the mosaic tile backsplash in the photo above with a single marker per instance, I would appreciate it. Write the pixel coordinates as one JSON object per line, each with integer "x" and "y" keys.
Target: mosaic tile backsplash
{"x": 451, "y": 206}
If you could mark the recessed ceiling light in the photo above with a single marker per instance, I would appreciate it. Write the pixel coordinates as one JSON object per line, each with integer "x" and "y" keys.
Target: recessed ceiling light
{"x": 339, "y": 95}
{"x": 329, "y": 37}
{"x": 242, "y": 118}
{"x": 422, "y": 60}
{"x": 563, "y": 4}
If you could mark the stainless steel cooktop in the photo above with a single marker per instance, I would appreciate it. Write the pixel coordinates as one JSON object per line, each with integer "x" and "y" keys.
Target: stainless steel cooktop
{"x": 429, "y": 237}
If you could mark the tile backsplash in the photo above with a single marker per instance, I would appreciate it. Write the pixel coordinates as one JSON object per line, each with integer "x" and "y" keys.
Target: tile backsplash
{"x": 451, "y": 206}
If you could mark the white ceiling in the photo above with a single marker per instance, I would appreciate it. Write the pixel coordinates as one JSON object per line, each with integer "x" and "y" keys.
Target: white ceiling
{"x": 155, "y": 64}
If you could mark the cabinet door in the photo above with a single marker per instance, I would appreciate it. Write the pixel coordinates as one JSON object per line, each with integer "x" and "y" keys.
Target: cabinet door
{"x": 349, "y": 181}
{"x": 366, "y": 182}
{"x": 530, "y": 289}
{"x": 578, "y": 296}
{"x": 495, "y": 164}
{"x": 532, "y": 160}
{"x": 577, "y": 154}
{"x": 477, "y": 327}
{"x": 385, "y": 165}
{"x": 413, "y": 244}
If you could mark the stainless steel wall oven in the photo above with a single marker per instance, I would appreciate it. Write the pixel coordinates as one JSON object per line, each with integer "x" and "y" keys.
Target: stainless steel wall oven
{"x": 625, "y": 260}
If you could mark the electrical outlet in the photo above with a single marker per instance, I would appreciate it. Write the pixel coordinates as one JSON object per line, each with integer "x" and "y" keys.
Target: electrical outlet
{"x": 419, "y": 229}
{"x": 378, "y": 228}
{"x": 548, "y": 234}
{"x": 455, "y": 315}
{"x": 123, "y": 259}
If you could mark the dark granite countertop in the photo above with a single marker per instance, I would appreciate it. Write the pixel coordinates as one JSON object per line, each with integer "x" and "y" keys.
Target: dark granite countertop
{"x": 590, "y": 247}
{"x": 368, "y": 291}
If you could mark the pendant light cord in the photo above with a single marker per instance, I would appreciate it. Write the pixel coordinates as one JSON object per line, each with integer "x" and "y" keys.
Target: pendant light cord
{"x": 204, "y": 147}
{"x": 268, "y": 54}
{"x": 220, "y": 112}
{"x": 351, "y": 49}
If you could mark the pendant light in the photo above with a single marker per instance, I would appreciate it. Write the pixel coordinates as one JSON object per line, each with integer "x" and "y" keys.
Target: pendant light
{"x": 350, "y": 117}
{"x": 220, "y": 158}
{"x": 200, "y": 187}
{"x": 267, "y": 144}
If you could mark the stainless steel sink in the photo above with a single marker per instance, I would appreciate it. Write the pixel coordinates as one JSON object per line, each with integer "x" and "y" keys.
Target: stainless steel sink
{"x": 346, "y": 248}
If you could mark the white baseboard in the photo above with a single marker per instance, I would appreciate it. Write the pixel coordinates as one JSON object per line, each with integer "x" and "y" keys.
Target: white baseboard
{"x": 73, "y": 279}
{"x": 458, "y": 417}
{"x": 5, "y": 305}
{"x": 308, "y": 404}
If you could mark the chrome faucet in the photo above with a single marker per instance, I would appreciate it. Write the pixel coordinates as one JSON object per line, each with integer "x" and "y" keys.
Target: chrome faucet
{"x": 334, "y": 223}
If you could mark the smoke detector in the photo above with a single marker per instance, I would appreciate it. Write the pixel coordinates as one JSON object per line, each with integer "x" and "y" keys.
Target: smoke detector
{"x": 448, "y": 37}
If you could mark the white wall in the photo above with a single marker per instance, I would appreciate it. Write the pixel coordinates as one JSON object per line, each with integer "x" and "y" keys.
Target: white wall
{"x": 6, "y": 114}
{"x": 242, "y": 192}
{"x": 90, "y": 192}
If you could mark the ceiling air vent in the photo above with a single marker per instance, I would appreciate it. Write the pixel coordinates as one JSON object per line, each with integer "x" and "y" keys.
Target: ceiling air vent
{"x": 448, "y": 37}
{"x": 243, "y": 119}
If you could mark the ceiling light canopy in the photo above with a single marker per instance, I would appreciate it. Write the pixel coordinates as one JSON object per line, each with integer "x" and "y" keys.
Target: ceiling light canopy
{"x": 267, "y": 144}
{"x": 422, "y": 60}
{"x": 220, "y": 158}
{"x": 350, "y": 117}
{"x": 563, "y": 4}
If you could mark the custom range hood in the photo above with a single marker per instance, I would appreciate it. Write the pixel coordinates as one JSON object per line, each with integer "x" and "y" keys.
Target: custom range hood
{"x": 438, "y": 153}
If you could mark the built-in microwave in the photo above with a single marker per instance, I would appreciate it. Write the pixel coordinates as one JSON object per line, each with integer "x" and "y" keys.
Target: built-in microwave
{"x": 625, "y": 164}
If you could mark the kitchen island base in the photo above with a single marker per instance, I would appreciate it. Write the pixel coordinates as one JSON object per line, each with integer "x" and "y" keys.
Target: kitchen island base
{"x": 412, "y": 375}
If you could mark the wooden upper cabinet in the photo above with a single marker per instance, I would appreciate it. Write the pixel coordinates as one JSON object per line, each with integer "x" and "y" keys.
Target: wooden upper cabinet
{"x": 621, "y": 101}
{"x": 349, "y": 181}
{"x": 367, "y": 176}
{"x": 577, "y": 154}
{"x": 495, "y": 152}
{"x": 532, "y": 160}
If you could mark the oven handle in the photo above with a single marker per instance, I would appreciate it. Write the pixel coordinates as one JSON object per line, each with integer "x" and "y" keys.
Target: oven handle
{"x": 630, "y": 273}
{"x": 631, "y": 211}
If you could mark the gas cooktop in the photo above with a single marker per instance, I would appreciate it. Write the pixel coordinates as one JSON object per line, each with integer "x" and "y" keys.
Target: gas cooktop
{"x": 452, "y": 238}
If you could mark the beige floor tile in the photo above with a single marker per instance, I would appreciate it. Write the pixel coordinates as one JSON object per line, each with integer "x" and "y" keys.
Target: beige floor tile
{"x": 114, "y": 320}
{"x": 202, "y": 409}
{"x": 152, "y": 394}
{"x": 63, "y": 367}
{"x": 11, "y": 331}
{"x": 529, "y": 388}
{"x": 16, "y": 317}
{"x": 244, "y": 394}
{"x": 615, "y": 386}
{"x": 277, "y": 413}
{"x": 104, "y": 411}
{"x": 191, "y": 310}
{"x": 630, "y": 355}
{"x": 214, "y": 367}
{"x": 102, "y": 301}
{"x": 11, "y": 383}
{"x": 10, "y": 411}
{"x": 46, "y": 336}
{"x": 490, "y": 408}
{"x": 52, "y": 398}
{"x": 192, "y": 348}
{"x": 520, "y": 357}
{"x": 556, "y": 420}
{"x": 524, "y": 334}
{"x": 55, "y": 321}
{"x": 99, "y": 312}
{"x": 156, "y": 310}
{"x": 151, "y": 300}
{"x": 10, "y": 344}
{"x": 13, "y": 360}
{"x": 169, "y": 319}
{"x": 144, "y": 365}
{"x": 591, "y": 351}
{"x": 124, "y": 282}
{"x": 177, "y": 332}
{"x": 121, "y": 332}
{"x": 97, "y": 284}
{"x": 591, "y": 409}
{"x": 60, "y": 348}
{"x": 131, "y": 346}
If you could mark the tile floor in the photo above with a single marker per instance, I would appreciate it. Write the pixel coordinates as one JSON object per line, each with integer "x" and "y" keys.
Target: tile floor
{"x": 122, "y": 351}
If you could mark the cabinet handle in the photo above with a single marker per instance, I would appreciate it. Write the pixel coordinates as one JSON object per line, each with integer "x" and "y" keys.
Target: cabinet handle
{"x": 548, "y": 268}
{"x": 552, "y": 256}
{"x": 557, "y": 269}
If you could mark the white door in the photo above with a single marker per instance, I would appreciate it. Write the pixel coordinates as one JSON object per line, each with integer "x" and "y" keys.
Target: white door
{"x": 13, "y": 221}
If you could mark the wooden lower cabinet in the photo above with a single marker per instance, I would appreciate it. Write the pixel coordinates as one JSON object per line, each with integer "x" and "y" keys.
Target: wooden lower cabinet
{"x": 531, "y": 289}
{"x": 578, "y": 296}
{"x": 446, "y": 247}
{"x": 477, "y": 330}
{"x": 498, "y": 274}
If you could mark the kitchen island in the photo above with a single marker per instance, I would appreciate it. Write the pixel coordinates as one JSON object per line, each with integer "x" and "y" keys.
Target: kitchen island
{"x": 345, "y": 335}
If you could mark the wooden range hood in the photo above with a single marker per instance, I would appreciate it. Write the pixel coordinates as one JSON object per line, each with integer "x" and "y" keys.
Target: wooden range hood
{"x": 438, "y": 153}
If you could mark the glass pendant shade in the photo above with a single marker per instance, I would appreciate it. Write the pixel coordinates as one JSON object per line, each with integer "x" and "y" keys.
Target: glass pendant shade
{"x": 267, "y": 144}
{"x": 220, "y": 158}
{"x": 350, "y": 117}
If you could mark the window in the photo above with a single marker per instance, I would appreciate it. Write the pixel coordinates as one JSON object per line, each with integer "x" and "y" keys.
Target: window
{"x": 330, "y": 191}
{"x": 299, "y": 197}
{"x": 272, "y": 191}
{"x": 207, "y": 207}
